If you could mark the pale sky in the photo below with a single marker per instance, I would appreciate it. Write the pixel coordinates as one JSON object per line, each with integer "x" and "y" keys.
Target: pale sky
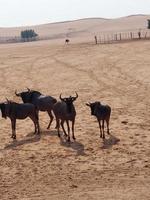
{"x": 32, "y": 12}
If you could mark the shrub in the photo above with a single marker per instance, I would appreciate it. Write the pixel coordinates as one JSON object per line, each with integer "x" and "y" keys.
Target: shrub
{"x": 28, "y": 35}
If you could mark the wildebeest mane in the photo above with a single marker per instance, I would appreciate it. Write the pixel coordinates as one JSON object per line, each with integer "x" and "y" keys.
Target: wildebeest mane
{"x": 69, "y": 107}
{"x": 33, "y": 93}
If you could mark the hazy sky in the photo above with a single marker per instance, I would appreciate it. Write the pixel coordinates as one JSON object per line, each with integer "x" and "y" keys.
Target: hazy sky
{"x": 31, "y": 12}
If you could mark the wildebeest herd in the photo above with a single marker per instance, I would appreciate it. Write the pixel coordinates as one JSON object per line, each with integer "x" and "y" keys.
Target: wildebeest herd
{"x": 63, "y": 110}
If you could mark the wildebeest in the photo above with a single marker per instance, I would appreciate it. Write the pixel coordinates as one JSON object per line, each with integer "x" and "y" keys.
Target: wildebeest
{"x": 64, "y": 111}
{"x": 15, "y": 111}
{"x": 41, "y": 102}
{"x": 102, "y": 113}
{"x": 67, "y": 41}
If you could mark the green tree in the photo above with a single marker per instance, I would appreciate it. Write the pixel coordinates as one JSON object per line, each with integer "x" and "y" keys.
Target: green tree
{"x": 28, "y": 35}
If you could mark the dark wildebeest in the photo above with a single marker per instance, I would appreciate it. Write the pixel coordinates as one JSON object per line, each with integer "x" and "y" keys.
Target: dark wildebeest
{"x": 102, "y": 113}
{"x": 67, "y": 41}
{"x": 41, "y": 102}
{"x": 15, "y": 111}
{"x": 64, "y": 111}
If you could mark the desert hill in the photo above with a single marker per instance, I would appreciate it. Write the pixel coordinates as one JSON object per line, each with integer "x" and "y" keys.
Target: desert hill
{"x": 82, "y": 28}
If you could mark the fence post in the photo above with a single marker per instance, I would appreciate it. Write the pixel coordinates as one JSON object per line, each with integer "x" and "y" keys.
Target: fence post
{"x": 139, "y": 34}
{"x": 120, "y": 36}
{"x": 95, "y": 39}
{"x": 100, "y": 39}
{"x": 107, "y": 38}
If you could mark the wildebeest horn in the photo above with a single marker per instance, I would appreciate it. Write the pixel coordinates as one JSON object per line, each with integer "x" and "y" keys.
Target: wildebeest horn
{"x": 17, "y": 94}
{"x": 28, "y": 89}
{"x": 76, "y": 95}
{"x": 60, "y": 97}
{"x": 7, "y": 100}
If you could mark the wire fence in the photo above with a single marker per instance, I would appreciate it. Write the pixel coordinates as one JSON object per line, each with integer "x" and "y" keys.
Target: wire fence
{"x": 100, "y": 38}
{"x": 108, "y": 38}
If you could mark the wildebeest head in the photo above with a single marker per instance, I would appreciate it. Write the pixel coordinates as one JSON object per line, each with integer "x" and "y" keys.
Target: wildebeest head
{"x": 6, "y": 108}
{"x": 67, "y": 41}
{"x": 3, "y": 110}
{"x": 93, "y": 106}
{"x": 26, "y": 95}
{"x": 69, "y": 101}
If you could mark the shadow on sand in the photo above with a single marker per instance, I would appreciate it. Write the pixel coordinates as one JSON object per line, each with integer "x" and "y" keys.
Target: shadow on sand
{"x": 31, "y": 139}
{"x": 77, "y": 146}
{"x": 108, "y": 143}
{"x": 49, "y": 133}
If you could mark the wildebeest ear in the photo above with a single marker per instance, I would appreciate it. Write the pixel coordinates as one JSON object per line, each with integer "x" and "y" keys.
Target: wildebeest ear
{"x": 99, "y": 103}
{"x": 17, "y": 94}
{"x": 87, "y": 104}
{"x": 73, "y": 98}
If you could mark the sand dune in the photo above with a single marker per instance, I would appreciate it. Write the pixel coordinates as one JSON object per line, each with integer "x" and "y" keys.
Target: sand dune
{"x": 83, "y": 27}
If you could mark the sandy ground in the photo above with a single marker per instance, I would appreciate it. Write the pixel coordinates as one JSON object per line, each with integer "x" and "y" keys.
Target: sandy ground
{"x": 48, "y": 168}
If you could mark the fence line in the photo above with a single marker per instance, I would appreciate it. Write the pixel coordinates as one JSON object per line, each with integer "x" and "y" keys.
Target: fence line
{"x": 101, "y": 38}
{"x": 108, "y": 38}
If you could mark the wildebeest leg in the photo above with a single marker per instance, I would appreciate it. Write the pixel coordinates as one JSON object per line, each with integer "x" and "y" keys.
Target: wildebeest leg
{"x": 58, "y": 126}
{"x": 99, "y": 121}
{"x": 36, "y": 124}
{"x": 73, "y": 121}
{"x": 38, "y": 127}
{"x": 103, "y": 129}
{"x": 107, "y": 122}
{"x": 62, "y": 125}
{"x": 13, "y": 126}
{"x": 68, "y": 130}
{"x": 51, "y": 119}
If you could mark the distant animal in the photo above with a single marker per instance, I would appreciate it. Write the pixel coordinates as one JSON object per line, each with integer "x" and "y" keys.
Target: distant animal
{"x": 42, "y": 102}
{"x": 67, "y": 41}
{"x": 102, "y": 113}
{"x": 21, "y": 111}
{"x": 64, "y": 111}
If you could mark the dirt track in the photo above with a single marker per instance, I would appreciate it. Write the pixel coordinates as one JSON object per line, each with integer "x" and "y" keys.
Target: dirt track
{"x": 45, "y": 168}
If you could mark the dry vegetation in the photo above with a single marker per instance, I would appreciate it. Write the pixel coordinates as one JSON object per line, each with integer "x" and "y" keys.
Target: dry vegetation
{"x": 47, "y": 167}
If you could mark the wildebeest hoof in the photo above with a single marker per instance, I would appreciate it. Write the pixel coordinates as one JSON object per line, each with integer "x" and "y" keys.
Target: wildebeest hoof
{"x": 14, "y": 137}
{"x": 74, "y": 138}
{"x": 65, "y": 135}
{"x": 68, "y": 140}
